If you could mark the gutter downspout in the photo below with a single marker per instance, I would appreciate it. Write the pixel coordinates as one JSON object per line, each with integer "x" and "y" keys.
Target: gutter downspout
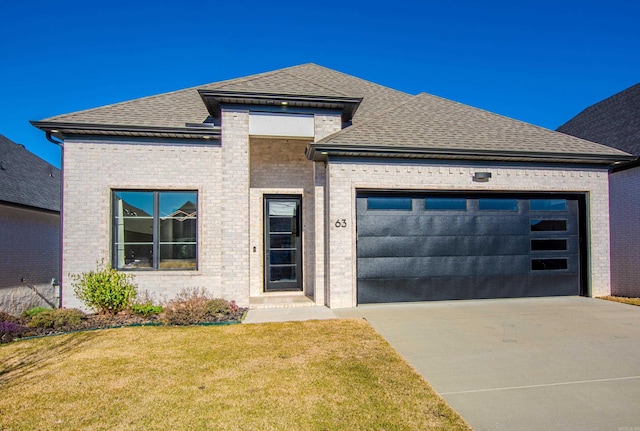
{"x": 58, "y": 287}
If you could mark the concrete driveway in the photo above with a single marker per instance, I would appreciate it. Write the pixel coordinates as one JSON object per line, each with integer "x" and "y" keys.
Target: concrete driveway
{"x": 565, "y": 363}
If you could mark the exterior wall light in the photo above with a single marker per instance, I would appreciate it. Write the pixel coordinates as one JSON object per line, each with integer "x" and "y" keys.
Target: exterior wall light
{"x": 481, "y": 177}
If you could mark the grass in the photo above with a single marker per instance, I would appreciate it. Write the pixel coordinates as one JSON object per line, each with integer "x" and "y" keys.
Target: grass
{"x": 317, "y": 375}
{"x": 625, "y": 300}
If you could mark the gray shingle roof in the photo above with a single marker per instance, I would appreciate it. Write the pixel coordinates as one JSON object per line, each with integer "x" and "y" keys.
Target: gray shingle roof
{"x": 185, "y": 106}
{"x": 26, "y": 179}
{"x": 430, "y": 122}
{"x": 385, "y": 117}
{"x": 614, "y": 121}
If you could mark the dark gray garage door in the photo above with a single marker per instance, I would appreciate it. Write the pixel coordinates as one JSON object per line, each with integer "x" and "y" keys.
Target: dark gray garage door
{"x": 439, "y": 247}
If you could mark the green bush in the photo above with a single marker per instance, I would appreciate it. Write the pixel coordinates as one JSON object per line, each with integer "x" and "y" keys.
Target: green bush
{"x": 105, "y": 290}
{"x": 147, "y": 309}
{"x": 33, "y": 312}
{"x": 58, "y": 318}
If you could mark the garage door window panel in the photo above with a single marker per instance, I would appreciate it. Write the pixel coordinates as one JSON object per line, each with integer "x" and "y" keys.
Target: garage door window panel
{"x": 389, "y": 203}
{"x": 445, "y": 204}
{"x": 549, "y": 264}
{"x": 548, "y": 225}
{"x": 548, "y": 204}
{"x": 548, "y": 245}
{"x": 497, "y": 204}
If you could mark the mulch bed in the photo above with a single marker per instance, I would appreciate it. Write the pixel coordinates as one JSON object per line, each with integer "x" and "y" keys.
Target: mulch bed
{"x": 104, "y": 321}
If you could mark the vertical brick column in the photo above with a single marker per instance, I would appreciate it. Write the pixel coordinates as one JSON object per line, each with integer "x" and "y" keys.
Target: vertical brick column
{"x": 235, "y": 202}
{"x": 324, "y": 125}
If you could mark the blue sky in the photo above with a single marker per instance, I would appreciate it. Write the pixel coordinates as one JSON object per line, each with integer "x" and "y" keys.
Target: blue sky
{"x": 541, "y": 62}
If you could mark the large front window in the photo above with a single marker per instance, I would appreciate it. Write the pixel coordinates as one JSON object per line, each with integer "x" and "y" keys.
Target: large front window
{"x": 155, "y": 229}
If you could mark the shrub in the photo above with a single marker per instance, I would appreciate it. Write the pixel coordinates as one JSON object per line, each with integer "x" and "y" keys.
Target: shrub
{"x": 194, "y": 306}
{"x": 10, "y": 330}
{"x": 189, "y": 306}
{"x": 105, "y": 290}
{"x": 33, "y": 312}
{"x": 6, "y": 317}
{"x": 58, "y": 318}
{"x": 220, "y": 306}
{"x": 146, "y": 309}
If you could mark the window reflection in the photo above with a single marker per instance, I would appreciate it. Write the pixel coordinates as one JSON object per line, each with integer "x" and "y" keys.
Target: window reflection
{"x": 146, "y": 221}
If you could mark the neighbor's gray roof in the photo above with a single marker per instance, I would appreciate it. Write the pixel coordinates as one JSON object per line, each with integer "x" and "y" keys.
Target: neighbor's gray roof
{"x": 430, "y": 123}
{"x": 614, "y": 121}
{"x": 177, "y": 108}
{"x": 26, "y": 179}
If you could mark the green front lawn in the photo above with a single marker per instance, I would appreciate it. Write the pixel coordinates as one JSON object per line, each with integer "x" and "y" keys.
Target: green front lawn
{"x": 318, "y": 375}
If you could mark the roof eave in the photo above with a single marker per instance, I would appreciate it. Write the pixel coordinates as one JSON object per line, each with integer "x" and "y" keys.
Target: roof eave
{"x": 214, "y": 99}
{"x": 321, "y": 152}
{"x": 63, "y": 129}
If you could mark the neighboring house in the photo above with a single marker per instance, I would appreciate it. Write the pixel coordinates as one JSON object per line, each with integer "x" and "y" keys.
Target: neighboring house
{"x": 307, "y": 186}
{"x": 29, "y": 229}
{"x": 615, "y": 122}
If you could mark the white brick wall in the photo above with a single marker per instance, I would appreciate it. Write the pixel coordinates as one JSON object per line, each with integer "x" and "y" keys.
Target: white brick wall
{"x": 222, "y": 175}
{"x": 93, "y": 170}
{"x": 625, "y": 232}
{"x": 235, "y": 203}
{"x": 231, "y": 181}
{"x": 346, "y": 177}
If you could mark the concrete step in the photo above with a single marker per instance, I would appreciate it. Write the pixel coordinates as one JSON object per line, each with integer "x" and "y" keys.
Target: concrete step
{"x": 281, "y": 300}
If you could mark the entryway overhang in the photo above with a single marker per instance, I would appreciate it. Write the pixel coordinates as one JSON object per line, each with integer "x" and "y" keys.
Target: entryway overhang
{"x": 214, "y": 99}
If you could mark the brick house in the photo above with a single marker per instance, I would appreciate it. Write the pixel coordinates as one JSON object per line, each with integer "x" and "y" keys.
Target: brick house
{"x": 307, "y": 186}
{"x": 29, "y": 229}
{"x": 615, "y": 122}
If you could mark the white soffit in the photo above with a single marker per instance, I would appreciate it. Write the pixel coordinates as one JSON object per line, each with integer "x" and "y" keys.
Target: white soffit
{"x": 281, "y": 125}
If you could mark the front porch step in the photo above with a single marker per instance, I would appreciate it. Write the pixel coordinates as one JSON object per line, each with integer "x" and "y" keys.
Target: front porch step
{"x": 279, "y": 300}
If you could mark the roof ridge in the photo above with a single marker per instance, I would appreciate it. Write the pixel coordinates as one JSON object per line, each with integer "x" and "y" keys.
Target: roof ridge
{"x": 356, "y": 77}
{"x": 249, "y": 78}
{"x": 316, "y": 83}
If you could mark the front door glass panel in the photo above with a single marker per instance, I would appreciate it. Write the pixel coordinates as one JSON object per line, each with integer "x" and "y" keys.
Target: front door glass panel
{"x": 283, "y": 257}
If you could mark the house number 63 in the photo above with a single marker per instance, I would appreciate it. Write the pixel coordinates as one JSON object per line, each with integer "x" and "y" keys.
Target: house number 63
{"x": 341, "y": 223}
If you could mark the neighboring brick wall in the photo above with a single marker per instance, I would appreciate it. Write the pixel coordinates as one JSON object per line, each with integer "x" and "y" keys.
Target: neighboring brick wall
{"x": 625, "y": 232}
{"x": 29, "y": 249}
{"x": 345, "y": 177}
{"x": 92, "y": 170}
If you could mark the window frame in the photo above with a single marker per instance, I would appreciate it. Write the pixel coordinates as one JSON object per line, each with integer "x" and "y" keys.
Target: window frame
{"x": 156, "y": 264}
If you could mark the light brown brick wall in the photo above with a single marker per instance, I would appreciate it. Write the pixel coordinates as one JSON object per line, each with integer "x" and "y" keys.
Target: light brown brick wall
{"x": 625, "y": 232}
{"x": 346, "y": 177}
{"x": 29, "y": 250}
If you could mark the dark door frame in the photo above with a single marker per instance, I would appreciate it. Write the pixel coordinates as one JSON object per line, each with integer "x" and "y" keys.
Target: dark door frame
{"x": 286, "y": 284}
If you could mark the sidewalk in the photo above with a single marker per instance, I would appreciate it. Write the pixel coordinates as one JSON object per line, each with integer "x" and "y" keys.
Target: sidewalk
{"x": 298, "y": 314}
